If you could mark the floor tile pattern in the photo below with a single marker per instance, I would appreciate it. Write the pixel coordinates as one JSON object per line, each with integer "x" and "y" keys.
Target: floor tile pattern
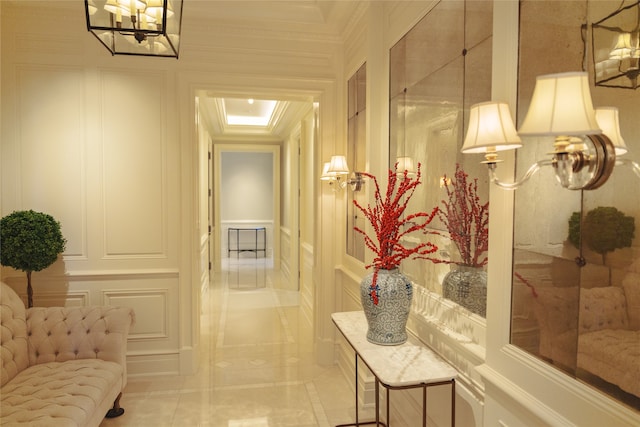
{"x": 257, "y": 366}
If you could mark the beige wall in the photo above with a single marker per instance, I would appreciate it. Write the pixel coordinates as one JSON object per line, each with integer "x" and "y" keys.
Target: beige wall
{"x": 127, "y": 191}
{"x": 109, "y": 145}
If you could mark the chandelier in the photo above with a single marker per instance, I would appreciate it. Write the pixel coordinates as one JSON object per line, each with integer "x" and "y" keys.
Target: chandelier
{"x": 616, "y": 47}
{"x": 136, "y": 27}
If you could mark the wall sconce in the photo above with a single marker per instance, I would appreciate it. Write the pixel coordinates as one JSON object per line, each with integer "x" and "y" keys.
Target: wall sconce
{"x": 616, "y": 48}
{"x": 583, "y": 157}
{"x": 607, "y": 118}
{"x": 136, "y": 27}
{"x": 405, "y": 164}
{"x": 336, "y": 170}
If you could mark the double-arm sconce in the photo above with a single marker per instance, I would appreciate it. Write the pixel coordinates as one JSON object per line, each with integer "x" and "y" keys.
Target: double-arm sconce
{"x": 587, "y": 142}
{"x": 136, "y": 27}
{"x": 337, "y": 170}
{"x": 616, "y": 47}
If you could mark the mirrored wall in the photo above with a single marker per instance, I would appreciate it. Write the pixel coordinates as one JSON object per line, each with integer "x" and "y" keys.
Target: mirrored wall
{"x": 576, "y": 282}
{"x": 356, "y": 145}
{"x": 439, "y": 69}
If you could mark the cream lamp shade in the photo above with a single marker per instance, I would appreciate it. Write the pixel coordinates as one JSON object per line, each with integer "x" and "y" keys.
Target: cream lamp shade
{"x": 326, "y": 175}
{"x": 607, "y": 118}
{"x": 561, "y": 105}
{"x": 490, "y": 129}
{"x": 405, "y": 164}
{"x": 338, "y": 166}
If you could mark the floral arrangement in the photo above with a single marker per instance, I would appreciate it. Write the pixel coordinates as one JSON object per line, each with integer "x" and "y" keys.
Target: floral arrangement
{"x": 466, "y": 219}
{"x": 390, "y": 224}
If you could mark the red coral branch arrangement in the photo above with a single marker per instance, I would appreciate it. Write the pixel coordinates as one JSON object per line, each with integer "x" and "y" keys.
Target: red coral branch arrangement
{"x": 390, "y": 224}
{"x": 466, "y": 219}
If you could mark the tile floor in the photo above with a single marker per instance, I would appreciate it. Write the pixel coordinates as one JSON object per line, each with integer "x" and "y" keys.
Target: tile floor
{"x": 257, "y": 366}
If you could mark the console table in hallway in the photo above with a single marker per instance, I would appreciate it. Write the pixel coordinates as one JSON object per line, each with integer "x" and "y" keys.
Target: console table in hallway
{"x": 255, "y": 246}
{"x": 398, "y": 367}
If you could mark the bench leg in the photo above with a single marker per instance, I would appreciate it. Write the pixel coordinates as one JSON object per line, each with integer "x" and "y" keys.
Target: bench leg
{"x": 116, "y": 411}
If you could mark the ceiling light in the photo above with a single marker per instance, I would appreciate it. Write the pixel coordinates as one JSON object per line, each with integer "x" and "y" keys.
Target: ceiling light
{"x": 136, "y": 27}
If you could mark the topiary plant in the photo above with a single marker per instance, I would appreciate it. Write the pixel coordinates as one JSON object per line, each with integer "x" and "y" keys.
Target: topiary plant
{"x": 604, "y": 229}
{"x": 30, "y": 241}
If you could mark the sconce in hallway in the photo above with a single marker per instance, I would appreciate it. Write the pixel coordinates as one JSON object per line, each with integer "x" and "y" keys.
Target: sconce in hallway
{"x": 336, "y": 170}
{"x": 405, "y": 163}
{"x": 584, "y": 155}
{"x": 616, "y": 48}
{"x": 136, "y": 27}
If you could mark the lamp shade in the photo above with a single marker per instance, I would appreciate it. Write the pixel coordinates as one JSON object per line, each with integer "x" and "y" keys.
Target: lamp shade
{"x": 326, "y": 175}
{"x": 338, "y": 166}
{"x": 405, "y": 163}
{"x": 561, "y": 105}
{"x": 607, "y": 118}
{"x": 490, "y": 129}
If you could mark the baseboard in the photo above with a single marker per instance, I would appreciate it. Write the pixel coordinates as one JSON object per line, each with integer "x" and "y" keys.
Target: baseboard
{"x": 153, "y": 364}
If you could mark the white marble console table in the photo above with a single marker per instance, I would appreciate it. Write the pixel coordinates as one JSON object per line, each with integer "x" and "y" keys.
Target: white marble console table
{"x": 398, "y": 367}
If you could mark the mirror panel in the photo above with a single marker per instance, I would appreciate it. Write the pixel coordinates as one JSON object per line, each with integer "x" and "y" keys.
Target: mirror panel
{"x": 438, "y": 70}
{"x": 576, "y": 272}
{"x": 356, "y": 155}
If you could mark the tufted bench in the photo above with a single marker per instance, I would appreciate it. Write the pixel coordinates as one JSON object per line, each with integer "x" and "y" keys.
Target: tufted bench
{"x": 61, "y": 366}
{"x": 604, "y": 340}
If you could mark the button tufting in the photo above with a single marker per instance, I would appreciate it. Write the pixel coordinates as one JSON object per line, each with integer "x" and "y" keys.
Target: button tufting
{"x": 88, "y": 331}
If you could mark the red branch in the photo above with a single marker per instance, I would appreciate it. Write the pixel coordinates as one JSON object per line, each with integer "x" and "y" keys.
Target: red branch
{"x": 466, "y": 219}
{"x": 390, "y": 224}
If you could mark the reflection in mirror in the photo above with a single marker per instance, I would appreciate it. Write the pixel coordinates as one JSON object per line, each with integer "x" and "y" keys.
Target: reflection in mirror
{"x": 576, "y": 264}
{"x": 438, "y": 70}
{"x": 356, "y": 145}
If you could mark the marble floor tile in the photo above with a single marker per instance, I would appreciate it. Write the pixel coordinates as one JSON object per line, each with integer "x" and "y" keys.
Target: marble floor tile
{"x": 257, "y": 365}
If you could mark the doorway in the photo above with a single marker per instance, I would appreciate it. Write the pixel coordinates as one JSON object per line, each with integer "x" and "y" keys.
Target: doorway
{"x": 246, "y": 202}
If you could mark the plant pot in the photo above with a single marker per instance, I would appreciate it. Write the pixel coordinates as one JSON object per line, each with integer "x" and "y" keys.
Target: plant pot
{"x": 387, "y": 320}
{"x": 467, "y": 286}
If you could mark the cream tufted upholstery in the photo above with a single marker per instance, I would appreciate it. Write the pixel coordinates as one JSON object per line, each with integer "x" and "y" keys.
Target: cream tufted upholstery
{"x": 60, "y": 366}
{"x": 603, "y": 341}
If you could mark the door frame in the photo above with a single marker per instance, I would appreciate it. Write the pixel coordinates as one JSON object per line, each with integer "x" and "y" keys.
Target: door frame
{"x": 218, "y": 149}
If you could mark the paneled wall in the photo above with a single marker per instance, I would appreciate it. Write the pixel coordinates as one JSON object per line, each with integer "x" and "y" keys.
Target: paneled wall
{"x": 109, "y": 186}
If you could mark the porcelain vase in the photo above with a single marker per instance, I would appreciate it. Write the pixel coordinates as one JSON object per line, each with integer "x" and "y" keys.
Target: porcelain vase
{"x": 387, "y": 320}
{"x": 467, "y": 286}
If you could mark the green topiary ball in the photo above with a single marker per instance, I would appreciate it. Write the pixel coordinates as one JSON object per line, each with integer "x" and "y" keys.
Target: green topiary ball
{"x": 603, "y": 229}
{"x": 30, "y": 241}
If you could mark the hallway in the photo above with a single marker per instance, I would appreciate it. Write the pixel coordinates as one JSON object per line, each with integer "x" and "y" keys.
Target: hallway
{"x": 256, "y": 365}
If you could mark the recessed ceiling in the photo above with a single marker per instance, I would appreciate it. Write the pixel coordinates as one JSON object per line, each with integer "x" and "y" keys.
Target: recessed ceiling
{"x": 247, "y": 112}
{"x": 233, "y": 35}
{"x": 236, "y": 118}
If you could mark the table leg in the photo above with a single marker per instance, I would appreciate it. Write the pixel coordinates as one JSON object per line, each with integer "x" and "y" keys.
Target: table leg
{"x": 388, "y": 422}
{"x": 377, "y": 402}
{"x": 356, "y": 384}
{"x": 424, "y": 406}
{"x": 453, "y": 403}
{"x": 377, "y": 421}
